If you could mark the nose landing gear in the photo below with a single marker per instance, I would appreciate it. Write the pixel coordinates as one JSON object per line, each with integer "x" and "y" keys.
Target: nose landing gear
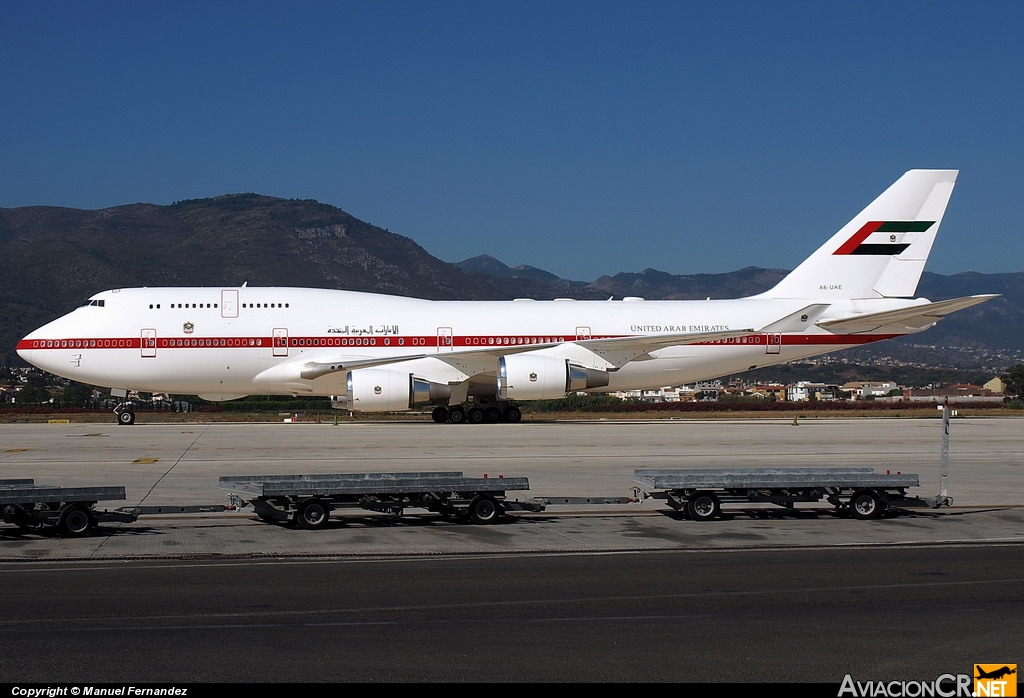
{"x": 125, "y": 413}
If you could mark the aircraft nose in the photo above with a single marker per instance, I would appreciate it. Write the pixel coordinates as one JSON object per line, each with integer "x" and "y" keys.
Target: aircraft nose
{"x": 31, "y": 348}
{"x": 24, "y": 349}
{"x": 27, "y": 350}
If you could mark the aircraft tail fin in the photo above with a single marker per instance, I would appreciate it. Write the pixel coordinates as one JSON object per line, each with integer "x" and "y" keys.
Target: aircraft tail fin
{"x": 882, "y": 251}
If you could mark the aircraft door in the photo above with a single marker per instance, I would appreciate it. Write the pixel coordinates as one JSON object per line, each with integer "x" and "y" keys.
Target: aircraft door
{"x": 444, "y": 339}
{"x": 229, "y": 303}
{"x": 148, "y": 343}
{"x": 583, "y": 332}
{"x": 280, "y": 341}
{"x": 773, "y": 343}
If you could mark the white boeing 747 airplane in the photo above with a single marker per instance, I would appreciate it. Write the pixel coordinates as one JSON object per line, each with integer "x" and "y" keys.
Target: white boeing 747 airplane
{"x": 474, "y": 359}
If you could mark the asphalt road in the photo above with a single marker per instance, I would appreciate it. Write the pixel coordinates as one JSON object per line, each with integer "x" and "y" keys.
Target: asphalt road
{"x": 793, "y": 615}
{"x": 624, "y": 593}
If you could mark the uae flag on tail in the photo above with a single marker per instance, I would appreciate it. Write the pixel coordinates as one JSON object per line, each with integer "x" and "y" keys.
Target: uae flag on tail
{"x": 884, "y": 237}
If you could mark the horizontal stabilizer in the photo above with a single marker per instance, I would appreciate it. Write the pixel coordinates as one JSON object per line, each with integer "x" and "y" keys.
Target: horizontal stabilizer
{"x": 798, "y": 321}
{"x": 915, "y": 317}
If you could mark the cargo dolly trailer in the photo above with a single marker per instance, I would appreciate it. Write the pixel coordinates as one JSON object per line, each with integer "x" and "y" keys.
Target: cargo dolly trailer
{"x": 307, "y": 500}
{"x": 700, "y": 492}
{"x": 860, "y": 492}
{"x": 72, "y": 510}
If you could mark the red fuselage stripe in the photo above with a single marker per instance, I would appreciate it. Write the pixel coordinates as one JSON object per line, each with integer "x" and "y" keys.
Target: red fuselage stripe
{"x": 468, "y": 342}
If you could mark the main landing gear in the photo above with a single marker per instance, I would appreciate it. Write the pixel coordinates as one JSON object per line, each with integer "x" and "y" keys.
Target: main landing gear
{"x": 477, "y": 414}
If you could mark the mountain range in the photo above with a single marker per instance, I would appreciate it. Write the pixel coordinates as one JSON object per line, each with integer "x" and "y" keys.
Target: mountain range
{"x": 52, "y": 259}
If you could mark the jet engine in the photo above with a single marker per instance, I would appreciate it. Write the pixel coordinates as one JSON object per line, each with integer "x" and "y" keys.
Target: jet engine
{"x": 532, "y": 377}
{"x": 383, "y": 390}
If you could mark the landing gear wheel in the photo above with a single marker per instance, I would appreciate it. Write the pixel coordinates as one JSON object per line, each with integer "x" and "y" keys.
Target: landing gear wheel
{"x": 866, "y": 505}
{"x": 513, "y": 414}
{"x": 484, "y": 510}
{"x": 476, "y": 415}
{"x": 127, "y": 417}
{"x": 703, "y": 506}
{"x": 75, "y": 521}
{"x": 492, "y": 415}
{"x": 312, "y": 514}
{"x": 440, "y": 414}
{"x": 456, "y": 415}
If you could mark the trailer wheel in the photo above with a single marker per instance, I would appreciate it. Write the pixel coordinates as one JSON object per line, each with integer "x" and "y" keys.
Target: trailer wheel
{"x": 75, "y": 521}
{"x": 484, "y": 510}
{"x": 127, "y": 417}
{"x": 703, "y": 506}
{"x": 312, "y": 514}
{"x": 866, "y": 504}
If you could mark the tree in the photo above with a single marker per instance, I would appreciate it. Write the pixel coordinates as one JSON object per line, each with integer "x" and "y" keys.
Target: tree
{"x": 32, "y": 395}
{"x": 1013, "y": 380}
{"x": 76, "y": 395}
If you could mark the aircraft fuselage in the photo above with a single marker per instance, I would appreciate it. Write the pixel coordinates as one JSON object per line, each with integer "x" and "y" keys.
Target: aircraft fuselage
{"x": 221, "y": 341}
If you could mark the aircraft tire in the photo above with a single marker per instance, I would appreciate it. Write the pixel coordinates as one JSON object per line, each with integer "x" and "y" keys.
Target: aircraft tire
{"x": 127, "y": 417}
{"x": 703, "y": 506}
{"x": 865, "y": 505}
{"x": 456, "y": 415}
{"x": 75, "y": 521}
{"x": 476, "y": 415}
{"x": 492, "y": 415}
{"x": 484, "y": 510}
{"x": 312, "y": 514}
{"x": 440, "y": 414}
{"x": 513, "y": 414}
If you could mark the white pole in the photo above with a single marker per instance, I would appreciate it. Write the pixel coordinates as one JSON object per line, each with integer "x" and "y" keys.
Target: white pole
{"x": 944, "y": 460}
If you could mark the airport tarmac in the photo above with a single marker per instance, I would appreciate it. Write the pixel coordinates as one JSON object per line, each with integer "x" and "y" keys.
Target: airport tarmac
{"x": 180, "y": 464}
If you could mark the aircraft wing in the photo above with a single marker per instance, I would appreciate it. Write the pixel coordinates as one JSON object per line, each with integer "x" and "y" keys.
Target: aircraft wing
{"x": 315, "y": 369}
{"x": 618, "y": 350}
{"x": 606, "y": 354}
{"x": 915, "y": 317}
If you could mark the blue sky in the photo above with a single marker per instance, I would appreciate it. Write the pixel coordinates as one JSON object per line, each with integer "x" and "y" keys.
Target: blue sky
{"x": 585, "y": 138}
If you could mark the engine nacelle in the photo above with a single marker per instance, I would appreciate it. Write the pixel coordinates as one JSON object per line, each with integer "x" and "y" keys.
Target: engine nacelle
{"x": 383, "y": 390}
{"x": 532, "y": 377}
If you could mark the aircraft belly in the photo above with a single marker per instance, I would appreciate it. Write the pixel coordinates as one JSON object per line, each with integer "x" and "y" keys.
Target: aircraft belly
{"x": 681, "y": 365}
{"x": 170, "y": 371}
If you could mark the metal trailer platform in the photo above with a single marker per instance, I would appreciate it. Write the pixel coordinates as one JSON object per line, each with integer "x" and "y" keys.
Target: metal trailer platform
{"x": 307, "y": 500}
{"x": 71, "y": 509}
{"x": 861, "y": 492}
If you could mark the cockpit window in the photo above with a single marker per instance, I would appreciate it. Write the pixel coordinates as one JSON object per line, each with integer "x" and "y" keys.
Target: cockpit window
{"x": 94, "y": 302}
